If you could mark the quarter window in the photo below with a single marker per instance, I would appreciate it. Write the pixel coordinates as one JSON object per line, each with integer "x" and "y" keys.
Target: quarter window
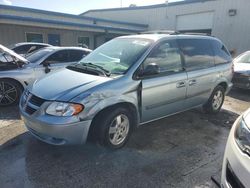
{"x": 197, "y": 53}
{"x": 167, "y": 56}
{"x": 221, "y": 53}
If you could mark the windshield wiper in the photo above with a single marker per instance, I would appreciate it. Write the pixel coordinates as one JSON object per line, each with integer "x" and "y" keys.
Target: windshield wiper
{"x": 105, "y": 71}
{"x": 90, "y": 67}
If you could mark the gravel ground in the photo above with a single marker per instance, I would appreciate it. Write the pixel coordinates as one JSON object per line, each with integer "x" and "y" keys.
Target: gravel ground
{"x": 184, "y": 150}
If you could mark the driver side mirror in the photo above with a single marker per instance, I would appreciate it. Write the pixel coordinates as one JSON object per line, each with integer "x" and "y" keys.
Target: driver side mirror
{"x": 150, "y": 69}
{"x": 46, "y": 64}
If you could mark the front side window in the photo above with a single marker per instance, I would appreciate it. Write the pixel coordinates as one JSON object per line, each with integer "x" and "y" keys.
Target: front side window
{"x": 34, "y": 37}
{"x": 118, "y": 55}
{"x": 58, "y": 57}
{"x": 197, "y": 53}
{"x": 166, "y": 56}
{"x": 76, "y": 55}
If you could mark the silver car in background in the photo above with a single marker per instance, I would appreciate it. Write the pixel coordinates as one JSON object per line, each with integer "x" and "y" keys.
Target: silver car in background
{"x": 16, "y": 72}
{"x": 241, "y": 77}
{"x": 26, "y": 48}
{"x": 127, "y": 82}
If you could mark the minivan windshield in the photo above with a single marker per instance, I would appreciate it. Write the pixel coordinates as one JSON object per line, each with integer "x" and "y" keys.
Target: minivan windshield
{"x": 117, "y": 55}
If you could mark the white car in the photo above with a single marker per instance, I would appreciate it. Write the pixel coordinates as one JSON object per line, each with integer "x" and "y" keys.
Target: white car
{"x": 16, "y": 72}
{"x": 236, "y": 164}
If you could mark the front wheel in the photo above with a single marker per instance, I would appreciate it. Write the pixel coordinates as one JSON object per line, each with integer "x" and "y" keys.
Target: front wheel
{"x": 114, "y": 127}
{"x": 215, "y": 101}
{"x": 10, "y": 92}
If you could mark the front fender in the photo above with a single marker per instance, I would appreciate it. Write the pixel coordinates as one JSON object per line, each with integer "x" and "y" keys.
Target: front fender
{"x": 96, "y": 102}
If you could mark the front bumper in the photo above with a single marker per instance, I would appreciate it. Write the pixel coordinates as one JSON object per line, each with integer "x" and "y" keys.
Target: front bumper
{"x": 57, "y": 134}
{"x": 241, "y": 81}
{"x": 236, "y": 164}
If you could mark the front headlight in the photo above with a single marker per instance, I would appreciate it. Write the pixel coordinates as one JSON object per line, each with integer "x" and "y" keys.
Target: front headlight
{"x": 64, "y": 109}
{"x": 242, "y": 136}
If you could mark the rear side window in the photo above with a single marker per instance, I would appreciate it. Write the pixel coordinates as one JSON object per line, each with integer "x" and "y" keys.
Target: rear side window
{"x": 198, "y": 53}
{"x": 221, "y": 53}
{"x": 76, "y": 55}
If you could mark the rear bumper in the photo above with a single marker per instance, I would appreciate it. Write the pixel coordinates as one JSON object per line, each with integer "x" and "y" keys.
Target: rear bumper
{"x": 57, "y": 134}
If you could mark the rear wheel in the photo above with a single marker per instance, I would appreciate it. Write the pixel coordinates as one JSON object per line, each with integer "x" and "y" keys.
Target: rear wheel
{"x": 113, "y": 127}
{"x": 215, "y": 101}
{"x": 10, "y": 92}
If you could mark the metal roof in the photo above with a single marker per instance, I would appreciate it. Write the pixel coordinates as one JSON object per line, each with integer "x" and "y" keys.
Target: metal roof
{"x": 70, "y": 15}
{"x": 184, "y": 2}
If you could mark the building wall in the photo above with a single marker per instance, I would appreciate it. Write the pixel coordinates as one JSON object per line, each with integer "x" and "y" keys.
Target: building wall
{"x": 232, "y": 30}
{"x": 11, "y": 34}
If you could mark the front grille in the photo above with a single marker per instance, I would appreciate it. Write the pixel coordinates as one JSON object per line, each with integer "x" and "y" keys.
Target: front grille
{"x": 36, "y": 100}
{"x": 32, "y": 103}
{"x": 232, "y": 179}
{"x": 30, "y": 110}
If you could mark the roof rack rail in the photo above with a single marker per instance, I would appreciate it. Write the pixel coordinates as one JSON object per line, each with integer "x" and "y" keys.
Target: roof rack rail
{"x": 169, "y": 32}
{"x": 190, "y": 33}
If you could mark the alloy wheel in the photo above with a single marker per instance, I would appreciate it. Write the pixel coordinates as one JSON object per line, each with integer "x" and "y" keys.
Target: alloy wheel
{"x": 119, "y": 129}
{"x": 8, "y": 93}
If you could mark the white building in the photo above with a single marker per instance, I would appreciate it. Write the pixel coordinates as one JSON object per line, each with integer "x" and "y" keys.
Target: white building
{"x": 225, "y": 19}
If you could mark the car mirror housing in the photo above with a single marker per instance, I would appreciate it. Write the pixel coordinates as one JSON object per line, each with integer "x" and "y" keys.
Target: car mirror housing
{"x": 151, "y": 69}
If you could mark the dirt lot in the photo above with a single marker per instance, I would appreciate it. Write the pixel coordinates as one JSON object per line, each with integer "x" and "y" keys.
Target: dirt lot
{"x": 184, "y": 150}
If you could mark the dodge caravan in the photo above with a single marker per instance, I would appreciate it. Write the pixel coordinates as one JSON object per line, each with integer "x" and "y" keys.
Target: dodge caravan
{"x": 126, "y": 82}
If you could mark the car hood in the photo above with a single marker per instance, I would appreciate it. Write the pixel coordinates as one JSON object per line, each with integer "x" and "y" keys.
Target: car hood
{"x": 65, "y": 85}
{"x": 241, "y": 67}
{"x": 13, "y": 54}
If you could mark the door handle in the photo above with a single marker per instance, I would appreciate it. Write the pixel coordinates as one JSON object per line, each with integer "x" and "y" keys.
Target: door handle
{"x": 181, "y": 84}
{"x": 192, "y": 82}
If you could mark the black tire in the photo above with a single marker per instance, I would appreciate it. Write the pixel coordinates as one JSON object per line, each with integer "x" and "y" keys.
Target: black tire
{"x": 14, "y": 90}
{"x": 103, "y": 123}
{"x": 209, "y": 107}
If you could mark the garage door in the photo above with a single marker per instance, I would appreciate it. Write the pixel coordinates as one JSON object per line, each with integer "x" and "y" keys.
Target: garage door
{"x": 195, "y": 22}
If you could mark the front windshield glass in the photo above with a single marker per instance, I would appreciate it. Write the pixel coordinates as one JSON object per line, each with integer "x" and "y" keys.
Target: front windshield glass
{"x": 244, "y": 58}
{"x": 35, "y": 56}
{"x": 118, "y": 55}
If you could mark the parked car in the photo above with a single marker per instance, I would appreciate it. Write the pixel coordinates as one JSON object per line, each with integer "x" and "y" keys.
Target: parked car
{"x": 16, "y": 72}
{"x": 26, "y": 48}
{"x": 241, "y": 78}
{"x": 126, "y": 82}
{"x": 236, "y": 163}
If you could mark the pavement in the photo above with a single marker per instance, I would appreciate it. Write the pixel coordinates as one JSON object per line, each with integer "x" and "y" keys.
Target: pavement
{"x": 183, "y": 150}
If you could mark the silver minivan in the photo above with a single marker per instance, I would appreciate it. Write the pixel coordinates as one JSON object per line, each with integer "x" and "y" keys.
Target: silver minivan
{"x": 126, "y": 82}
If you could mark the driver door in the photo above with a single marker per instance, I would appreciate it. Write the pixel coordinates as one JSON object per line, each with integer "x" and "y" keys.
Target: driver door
{"x": 164, "y": 93}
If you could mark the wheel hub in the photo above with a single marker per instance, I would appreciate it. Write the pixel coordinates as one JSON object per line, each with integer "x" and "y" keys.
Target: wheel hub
{"x": 119, "y": 129}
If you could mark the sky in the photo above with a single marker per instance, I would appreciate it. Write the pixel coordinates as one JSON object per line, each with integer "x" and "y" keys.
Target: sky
{"x": 78, "y": 6}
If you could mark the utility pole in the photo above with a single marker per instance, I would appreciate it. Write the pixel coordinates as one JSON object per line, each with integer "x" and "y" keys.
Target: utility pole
{"x": 121, "y": 3}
